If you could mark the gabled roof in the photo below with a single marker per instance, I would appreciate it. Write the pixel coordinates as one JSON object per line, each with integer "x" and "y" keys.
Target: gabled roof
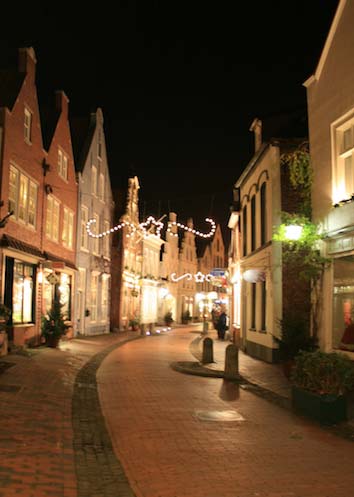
{"x": 10, "y": 86}
{"x": 49, "y": 120}
{"x": 327, "y": 46}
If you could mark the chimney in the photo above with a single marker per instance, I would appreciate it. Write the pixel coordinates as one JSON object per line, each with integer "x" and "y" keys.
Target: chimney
{"x": 61, "y": 103}
{"x": 256, "y": 127}
{"x": 27, "y": 61}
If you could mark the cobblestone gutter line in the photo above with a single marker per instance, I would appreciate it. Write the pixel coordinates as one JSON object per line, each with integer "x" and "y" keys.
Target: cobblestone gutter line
{"x": 99, "y": 472}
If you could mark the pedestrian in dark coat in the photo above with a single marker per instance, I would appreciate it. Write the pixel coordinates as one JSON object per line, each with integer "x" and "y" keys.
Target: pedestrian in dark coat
{"x": 222, "y": 324}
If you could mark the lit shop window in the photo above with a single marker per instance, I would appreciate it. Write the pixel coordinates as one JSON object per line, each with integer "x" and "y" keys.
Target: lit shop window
{"x": 64, "y": 289}
{"x": 22, "y": 308}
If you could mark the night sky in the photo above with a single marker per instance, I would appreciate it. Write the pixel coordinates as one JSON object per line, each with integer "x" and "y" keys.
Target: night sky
{"x": 179, "y": 83}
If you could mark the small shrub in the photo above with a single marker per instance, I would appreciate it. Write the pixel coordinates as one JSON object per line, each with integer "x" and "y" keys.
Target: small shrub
{"x": 323, "y": 373}
{"x": 168, "y": 318}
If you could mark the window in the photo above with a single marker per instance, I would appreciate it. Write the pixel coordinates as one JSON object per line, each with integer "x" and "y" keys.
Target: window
{"x": 253, "y": 305}
{"x": 64, "y": 290}
{"x": 68, "y": 227}
{"x": 23, "y": 284}
{"x": 253, "y": 223}
{"x": 263, "y": 214}
{"x": 52, "y": 219}
{"x": 104, "y": 297}
{"x": 94, "y": 284}
{"x": 106, "y": 240}
{"x": 95, "y": 228}
{"x": 343, "y": 145}
{"x": 27, "y": 125}
{"x": 244, "y": 229}
{"x": 62, "y": 165}
{"x": 263, "y": 306}
{"x": 94, "y": 180}
{"x": 23, "y": 194}
{"x": 101, "y": 187}
{"x": 84, "y": 234}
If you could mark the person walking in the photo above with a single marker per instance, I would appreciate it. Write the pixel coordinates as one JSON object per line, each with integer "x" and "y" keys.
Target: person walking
{"x": 222, "y": 324}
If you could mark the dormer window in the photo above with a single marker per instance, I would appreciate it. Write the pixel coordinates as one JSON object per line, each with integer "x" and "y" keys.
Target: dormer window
{"x": 27, "y": 125}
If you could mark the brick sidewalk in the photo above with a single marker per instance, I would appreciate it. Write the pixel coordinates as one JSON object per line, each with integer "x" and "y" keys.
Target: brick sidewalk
{"x": 38, "y": 450}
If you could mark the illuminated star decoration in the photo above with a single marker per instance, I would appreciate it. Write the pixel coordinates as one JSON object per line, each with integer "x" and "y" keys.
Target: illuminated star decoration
{"x": 198, "y": 277}
{"x": 191, "y": 230}
{"x": 142, "y": 228}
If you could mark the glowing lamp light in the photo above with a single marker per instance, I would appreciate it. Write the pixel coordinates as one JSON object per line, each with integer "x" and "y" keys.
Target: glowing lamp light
{"x": 293, "y": 232}
{"x": 253, "y": 276}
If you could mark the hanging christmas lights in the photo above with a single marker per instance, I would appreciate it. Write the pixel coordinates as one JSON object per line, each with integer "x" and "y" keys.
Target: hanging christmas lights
{"x": 199, "y": 277}
{"x": 191, "y": 230}
{"x": 144, "y": 228}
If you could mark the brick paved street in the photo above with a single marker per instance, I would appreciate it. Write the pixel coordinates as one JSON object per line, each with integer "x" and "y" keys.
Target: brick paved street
{"x": 166, "y": 434}
{"x": 159, "y": 420}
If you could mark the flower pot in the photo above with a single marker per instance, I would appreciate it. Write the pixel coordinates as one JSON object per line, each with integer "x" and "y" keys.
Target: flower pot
{"x": 327, "y": 409}
{"x": 53, "y": 341}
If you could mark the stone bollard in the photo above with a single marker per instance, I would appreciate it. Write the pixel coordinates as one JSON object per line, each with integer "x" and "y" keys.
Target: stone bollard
{"x": 231, "y": 362}
{"x": 207, "y": 351}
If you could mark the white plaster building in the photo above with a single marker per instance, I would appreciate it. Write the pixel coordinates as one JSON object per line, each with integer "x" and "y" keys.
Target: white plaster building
{"x": 95, "y": 202}
{"x": 330, "y": 97}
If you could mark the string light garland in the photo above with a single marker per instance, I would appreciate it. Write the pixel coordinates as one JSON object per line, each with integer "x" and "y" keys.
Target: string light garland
{"x": 145, "y": 226}
{"x": 191, "y": 230}
{"x": 199, "y": 277}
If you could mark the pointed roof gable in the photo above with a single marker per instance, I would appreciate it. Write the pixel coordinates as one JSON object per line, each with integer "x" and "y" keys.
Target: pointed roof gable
{"x": 327, "y": 45}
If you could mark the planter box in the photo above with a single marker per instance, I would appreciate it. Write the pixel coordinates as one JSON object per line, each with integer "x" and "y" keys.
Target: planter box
{"x": 327, "y": 409}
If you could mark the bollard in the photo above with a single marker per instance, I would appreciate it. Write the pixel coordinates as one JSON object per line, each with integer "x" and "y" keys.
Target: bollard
{"x": 231, "y": 362}
{"x": 207, "y": 351}
{"x": 205, "y": 327}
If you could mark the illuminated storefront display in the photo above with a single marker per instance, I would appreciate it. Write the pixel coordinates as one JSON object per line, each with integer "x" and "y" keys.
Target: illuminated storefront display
{"x": 22, "y": 309}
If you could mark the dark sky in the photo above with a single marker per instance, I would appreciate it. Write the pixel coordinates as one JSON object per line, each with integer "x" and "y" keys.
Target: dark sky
{"x": 179, "y": 82}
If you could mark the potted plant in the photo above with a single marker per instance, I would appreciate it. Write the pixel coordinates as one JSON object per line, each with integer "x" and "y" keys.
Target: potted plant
{"x": 168, "y": 318}
{"x": 320, "y": 383}
{"x": 186, "y": 316}
{"x": 134, "y": 323}
{"x": 53, "y": 325}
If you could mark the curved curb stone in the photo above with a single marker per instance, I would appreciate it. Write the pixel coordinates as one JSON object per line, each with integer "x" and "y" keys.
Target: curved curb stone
{"x": 98, "y": 470}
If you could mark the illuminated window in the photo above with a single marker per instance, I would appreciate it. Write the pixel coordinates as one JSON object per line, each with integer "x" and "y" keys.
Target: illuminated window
{"x": 94, "y": 180}
{"x": 95, "y": 229}
{"x": 253, "y": 305}
{"x": 23, "y": 194}
{"x": 343, "y": 145}
{"x": 253, "y": 223}
{"x": 22, "y": 303}
{"x": 27, "y": 125}
{"x": 52, "y": 219}
{"x": 64, "y": 290}
{"x": 68, "y": 228}
{"x": 62, "y": 165}
{"x": 84, "y": 234}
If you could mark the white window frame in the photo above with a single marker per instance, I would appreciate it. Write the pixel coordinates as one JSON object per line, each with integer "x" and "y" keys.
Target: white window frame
{"x": 342, "y": 157}
{"x": 95, "y": 229}
{"x": 106, "y": 240}
{"x": 52, "y": 218}
{"x": 27, "y": 125}
{"x": 62, "y": 164}
{"x": 84, "y": 245}
{"x": 23, "y": 197}
{"x": 68, "y": 228}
